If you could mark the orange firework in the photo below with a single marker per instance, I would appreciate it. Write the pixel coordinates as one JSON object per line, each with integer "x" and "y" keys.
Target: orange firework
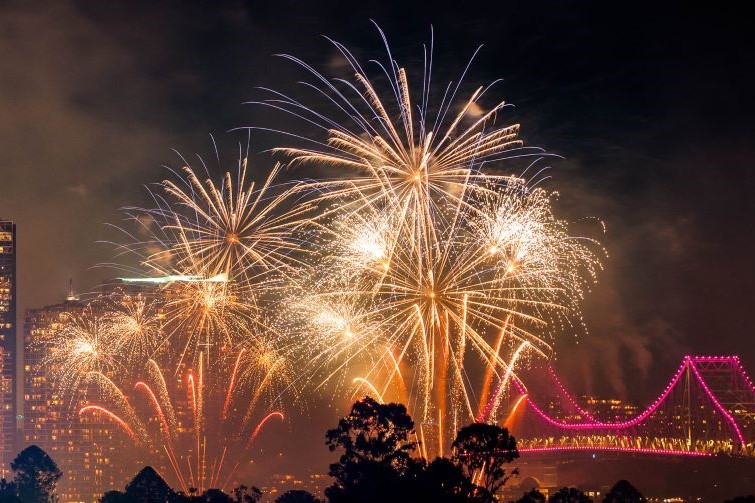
{"x": 422, "y": 250}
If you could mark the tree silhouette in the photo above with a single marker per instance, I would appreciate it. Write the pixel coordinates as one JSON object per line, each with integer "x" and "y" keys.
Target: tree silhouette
{"x": 374, "y": 432}
{"x": 624, "y": 492}
{"x": 244, "y": 494}
{"x": 376, "y": 462}
{"x": 8, "y": 492}
{"x": 481, "y": 450}
{"x": 533, "y": 496}
{"x": 296, "y": 496}
{"x": 215, "y": 496}
{"x": 35, "y": 476}
{"x": 569, "y": 495}
{"x": 147, "y": 485}
{"x": 114, "y": 497}
{"x": 442, "y": 481}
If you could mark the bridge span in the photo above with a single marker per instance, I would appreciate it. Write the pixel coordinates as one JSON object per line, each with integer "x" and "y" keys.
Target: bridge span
{"x": 707, "y": 409}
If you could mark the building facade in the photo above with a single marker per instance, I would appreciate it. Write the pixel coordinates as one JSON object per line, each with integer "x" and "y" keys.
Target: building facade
{"x": 94, "y": 448}
{"x": 85, "y": 448}
{"x": 7, "y": 344}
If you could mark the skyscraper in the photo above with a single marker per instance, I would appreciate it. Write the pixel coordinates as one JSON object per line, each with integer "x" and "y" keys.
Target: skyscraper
{"x": 7, "y": 343}
{"x": 86, "y": 449}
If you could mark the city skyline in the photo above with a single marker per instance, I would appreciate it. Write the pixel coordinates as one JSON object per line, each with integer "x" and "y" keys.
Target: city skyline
{"x": 549, "y": 401}
{"x": 51, "y": 423}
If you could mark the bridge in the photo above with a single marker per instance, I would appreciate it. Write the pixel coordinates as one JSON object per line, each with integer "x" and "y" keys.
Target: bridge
{"x": 707, "y": 408}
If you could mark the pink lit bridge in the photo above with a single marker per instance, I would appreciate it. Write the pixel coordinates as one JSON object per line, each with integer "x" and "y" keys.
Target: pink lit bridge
{"x": 708, "y": 408}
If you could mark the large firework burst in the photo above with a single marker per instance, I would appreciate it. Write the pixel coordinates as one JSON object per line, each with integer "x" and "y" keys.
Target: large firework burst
{"x": 83, "y": 342}
{"x": 232, "y": 229}
{"x": 377, "y": 300}
{"x": 424, "y": 257}
{"x": 217, "y": 254}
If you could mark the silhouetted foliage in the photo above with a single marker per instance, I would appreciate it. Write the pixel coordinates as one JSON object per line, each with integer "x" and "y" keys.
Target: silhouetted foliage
{"x": 481, "y": 450}
{"x": 376, "y": 463}
{"x": 147, "y": 485}
{"x": 244, "y": 494}
{"x": 215, "y": 496}
{"x": 114, "y": 497}
{"x": 374, "y": 432}
{"x": 35, "y": 476}
{"x": 8, "y": 492}
{"x": 533, "y": 496}
{"x": 442, "y": 481}
{"x": 624, "y": 492}
{"x": 569, "y": 495}
{"x": 297, "y": 496}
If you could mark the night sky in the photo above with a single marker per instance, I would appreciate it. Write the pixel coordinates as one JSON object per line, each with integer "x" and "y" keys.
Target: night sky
{"x": 650, "y": 105}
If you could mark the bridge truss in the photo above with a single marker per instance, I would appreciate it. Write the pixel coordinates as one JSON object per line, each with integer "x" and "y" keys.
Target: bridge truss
{"x": 707, "y": 408}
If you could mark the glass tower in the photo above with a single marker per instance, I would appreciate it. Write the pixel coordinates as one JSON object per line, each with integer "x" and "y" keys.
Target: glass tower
{"x": 7, "y": 343}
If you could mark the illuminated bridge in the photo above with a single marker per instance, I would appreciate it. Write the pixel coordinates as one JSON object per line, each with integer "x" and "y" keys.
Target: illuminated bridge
{"x": 707, "y": 408}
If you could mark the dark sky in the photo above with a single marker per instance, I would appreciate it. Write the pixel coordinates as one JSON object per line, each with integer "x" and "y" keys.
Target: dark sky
{"x": 651, "y": 104}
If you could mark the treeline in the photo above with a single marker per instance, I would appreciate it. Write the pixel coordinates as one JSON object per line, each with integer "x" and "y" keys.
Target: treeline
{"x": 377, "y": 464}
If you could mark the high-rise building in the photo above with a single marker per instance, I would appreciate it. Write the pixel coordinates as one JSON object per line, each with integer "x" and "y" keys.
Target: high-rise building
{"x": 93, "y": 449}
{"x": 7, "y": 343}
{"x": 87, "y": 449}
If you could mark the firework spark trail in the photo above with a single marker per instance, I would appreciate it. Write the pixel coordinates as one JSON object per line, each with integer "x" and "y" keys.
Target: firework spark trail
{"x": 176, "y": 468}
{"x": 229, "y": 393}
{"x": 197, "y": 455}
{"x": 364, "y": 382}
{"x": 84, "y": 343}
{"x": 259, "y": 426}
{"x": 118, "y": 400}
{"x": 119, "y": 421}
{"x": 397, "y": 373}
{"x": 135, "y": 325}
{"x": 272, "y": 371}
{"x": 490, "y": 368}
{"x": 196, "y": 409}
{"x": 492, "y": 406}
{"x": 158, "y": 378}
{"x": 512, "y": 414}
{"x": 158, "y": 409}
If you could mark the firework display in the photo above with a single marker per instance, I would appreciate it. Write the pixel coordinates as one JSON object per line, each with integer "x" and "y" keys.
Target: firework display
{"x": 428, "y": 261}
{"x": 419, "y": 274}
{"x": 404, "y": 308}
{"x": 181, "y": 356}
